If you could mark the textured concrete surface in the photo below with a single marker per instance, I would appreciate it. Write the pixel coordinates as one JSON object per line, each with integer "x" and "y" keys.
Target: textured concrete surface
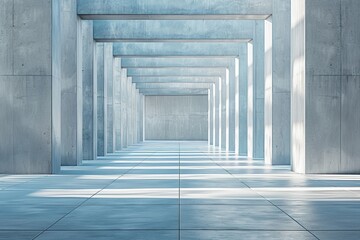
{"x": 178, "y": 190}
{"x": 101, "y": 100}
{"x": 281, "y": 114}
{"x": 123, "y": 85}
{"x": 30, "y": 89}
{"x": 259, "y": 91}
{"x": 164, "y": 29}
{"x": 110, "y": 88}
{"x": 176, "y": 117}
{"x": 324, "y": 70}
{"x": 162, "y": 49}
{"x": 89, "y": 92}
{"x": 117, "y": 78}
{"x": 71, "y": 86}
{"x": 146, "y": 7}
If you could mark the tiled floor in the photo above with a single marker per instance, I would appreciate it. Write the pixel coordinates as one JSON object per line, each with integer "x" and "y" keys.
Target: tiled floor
{"x": 152, "y": 190}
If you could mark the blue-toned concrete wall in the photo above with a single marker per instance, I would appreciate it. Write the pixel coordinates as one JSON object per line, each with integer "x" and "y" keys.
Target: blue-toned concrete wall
{"x": 176, "y": 117}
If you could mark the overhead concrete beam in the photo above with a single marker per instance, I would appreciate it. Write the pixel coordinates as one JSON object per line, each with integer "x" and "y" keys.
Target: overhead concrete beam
{"x": 153, "y": 30}
{"x": 188, "y": 91}
{"x": 172, "y": 85}
{"x": 174, "y": 49}
{"x": 186, "y": 79}
{"x": 144, "y": 62}
{"x": 111, "y": 9}
{"x": 214, "y": 72}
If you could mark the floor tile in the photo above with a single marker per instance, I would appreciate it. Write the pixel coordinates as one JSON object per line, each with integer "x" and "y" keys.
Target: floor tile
{"x": 326, "y": 217}
{"x": 121, "y": 217}
{"x": 30, "y": 217}
{"x": 109, "y": 235}
{"x": 18, "y": 235}
{"x": 337, "y": 235}
{"x": 245, "y": 235}
{"x": 235, "y": 217}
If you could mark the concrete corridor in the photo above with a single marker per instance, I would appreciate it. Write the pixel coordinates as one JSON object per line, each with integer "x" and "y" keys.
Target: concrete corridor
{"x": 178, "y": 190}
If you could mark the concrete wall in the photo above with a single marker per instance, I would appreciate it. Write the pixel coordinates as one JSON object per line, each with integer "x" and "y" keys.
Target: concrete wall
{"x": 30, "y": 90}
{"x": 325, "y": 86}
{"x": 176, "y": 117}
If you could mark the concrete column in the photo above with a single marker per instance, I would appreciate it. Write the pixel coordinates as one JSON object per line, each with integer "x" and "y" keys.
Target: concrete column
{"x": 134, "y": 113}
{"x": 110, "y": 88}
{"x": 224, "y": 119}
{"x": 233, "y": 81}
{"x": 143, "y": 117}
{"x": 243, "y": 100}
{"x": 139, "y": 111}
{"x": 218, "y": 112}
{"x": 89, "y": 92}
{"x": 259, "y": 91}
{"x": 214, "y": 114}
{"x": 325, "y": 86}
{"x": 124, "y": 107}
{"x": 226, "y": 104}
{"x": 117, "y": 104}
{"x": 101, "y": 101}
{"x": 277, "y": 91}
{"x": 30, "y": 87}
{"x": 138, "y": 107}
{"x": 141, "y": 123}
{"x": 71, "y": 85}
{"x": 237, "y": 106}
{"x": 250, "y": 98}
{"x": 210, "y": 117}
{"x": 268, "y": 114}
{"x": 128, "y": 111}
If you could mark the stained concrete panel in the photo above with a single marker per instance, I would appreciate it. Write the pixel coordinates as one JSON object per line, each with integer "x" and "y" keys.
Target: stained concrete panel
{"x": 7, "y": 128}
{"x": 32, "y": 125}
{"x": 323, "y": 124}
{"x": 6, "y": 37}
{"x": 350, "y": 37}
{"x": 176, "y": 117}
{"x": 26, "y": 145}
{"x": 30, "y": 29}
{"x": 350, "y": 124}
{"x": 323, "y": 56}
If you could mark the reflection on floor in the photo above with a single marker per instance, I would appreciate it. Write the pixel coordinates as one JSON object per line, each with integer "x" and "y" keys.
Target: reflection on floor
{"x": 172, "y": 190}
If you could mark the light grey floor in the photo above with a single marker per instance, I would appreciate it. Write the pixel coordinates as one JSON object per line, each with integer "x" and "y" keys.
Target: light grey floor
{"x": 154, "y": 189}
